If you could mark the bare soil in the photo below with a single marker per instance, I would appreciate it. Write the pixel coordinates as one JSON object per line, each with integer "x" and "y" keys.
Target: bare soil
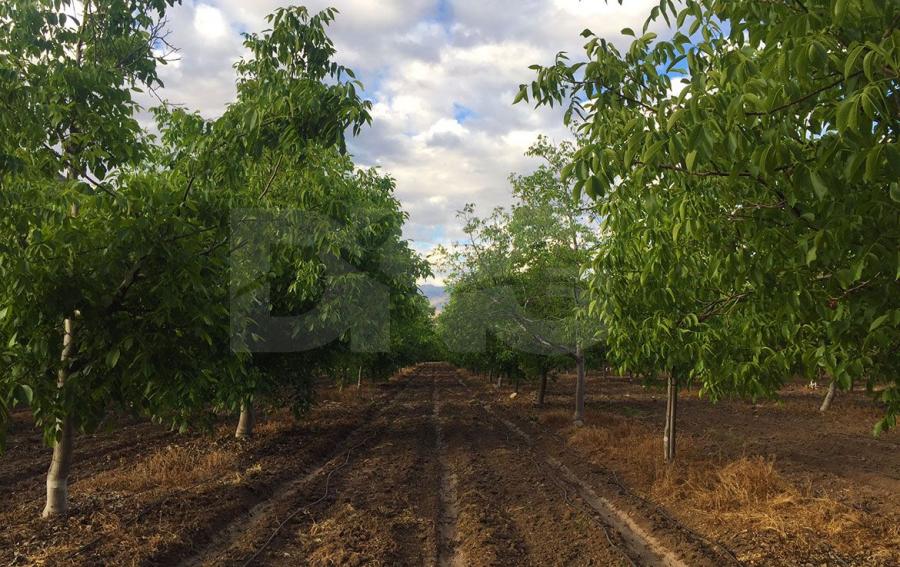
{"x": 438, "y": 467}
{"x": 772, "y": 482}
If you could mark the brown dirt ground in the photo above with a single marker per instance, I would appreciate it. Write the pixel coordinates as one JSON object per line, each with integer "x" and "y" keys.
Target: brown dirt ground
{"x": 141, "y": 495}
{"x": 774, "y": 482}
{"x": 439, "y": 468}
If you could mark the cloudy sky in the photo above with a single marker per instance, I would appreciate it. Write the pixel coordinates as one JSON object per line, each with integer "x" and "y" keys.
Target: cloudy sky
{"x": 442, "y": 75}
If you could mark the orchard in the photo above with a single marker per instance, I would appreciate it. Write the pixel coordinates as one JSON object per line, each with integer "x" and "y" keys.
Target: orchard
{"x": 668, "y": 334}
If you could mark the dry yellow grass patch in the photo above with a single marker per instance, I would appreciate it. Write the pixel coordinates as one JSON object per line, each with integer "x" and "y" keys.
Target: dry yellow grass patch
{"x": 729, "y": 495}
{"x": 172, "y": 467}
{"x": 274, "y": 422}
{"x": 555, "y": 419}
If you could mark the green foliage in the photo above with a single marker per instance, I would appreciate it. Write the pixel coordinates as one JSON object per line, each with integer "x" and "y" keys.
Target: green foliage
{"x": 751, "y": 217}
{"x": 130, "y": 235}
{"x": 517, "y": 287}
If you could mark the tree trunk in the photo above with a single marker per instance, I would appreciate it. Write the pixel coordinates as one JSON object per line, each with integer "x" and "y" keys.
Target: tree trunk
{"x": 499, "y": 379}
{"x": 671, "y": 413}
{"x": 829, "y": 397}
{"x": 246, "y": 422}
{"x": 359, "y": 378}
{"x": 542, "y": 389}
{"x": 579, "y": 388}
{"x": 58, "y": 475}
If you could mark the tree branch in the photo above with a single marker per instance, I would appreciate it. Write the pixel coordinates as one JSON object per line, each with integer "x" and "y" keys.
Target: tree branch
{"x": 805, "y": 97}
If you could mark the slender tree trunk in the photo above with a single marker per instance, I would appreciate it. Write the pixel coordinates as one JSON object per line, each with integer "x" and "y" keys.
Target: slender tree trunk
{"x": 542, "y": 389}
{"x": 829, "y": 397}
{"x": 247, "y": 421}
{"x": 359, "y": 378}
{"x": 671, "y": 413}
{"x": 61, "y": 463}
{"x": 579, "y": 388}
{"x": 499, "y": 379}
{"x": 490, "y": 376}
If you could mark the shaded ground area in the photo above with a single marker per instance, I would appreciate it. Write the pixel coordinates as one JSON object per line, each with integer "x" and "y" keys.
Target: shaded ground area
{"x": 143, "y": 495}
{"x": 437, "y": 467}
{"x": 432, "y": 480}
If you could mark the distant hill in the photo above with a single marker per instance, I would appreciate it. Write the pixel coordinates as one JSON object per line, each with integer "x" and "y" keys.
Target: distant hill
{"x": 436, "y": 294}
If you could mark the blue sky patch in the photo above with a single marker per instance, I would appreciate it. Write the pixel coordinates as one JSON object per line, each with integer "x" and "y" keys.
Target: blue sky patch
{"x": 462, "y": 113}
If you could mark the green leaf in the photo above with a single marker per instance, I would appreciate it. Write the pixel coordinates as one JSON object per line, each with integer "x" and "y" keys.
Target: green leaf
{"x": 811, "y": 255}
{"x": 878, "y": 322}
{"x": 592, "y": 187}
{"x": 112, "y": 358}
{"x": 819, "y": 187}
{"x": 24, "y": 394}
{"x": 628, "y": 31}
{"x": 520, "y": 96}
{"x": 651, "y": 151}
{"x": 895, "y": 192}
{"x": 840, "y": 10}
{"x": 850, "y": 64}
{"x": 691, "y": 159}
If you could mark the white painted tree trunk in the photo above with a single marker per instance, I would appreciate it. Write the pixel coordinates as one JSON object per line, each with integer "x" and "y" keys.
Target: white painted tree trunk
{"x": 246, "y": 422}
{"x": 61, "y": 464}
{"x": 829, "y": 397}
{"x": 671, "y": 413}
{"x": 579, "y": 388}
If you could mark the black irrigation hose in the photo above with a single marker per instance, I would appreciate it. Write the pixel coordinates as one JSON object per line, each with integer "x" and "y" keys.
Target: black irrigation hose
{"x": 294, "y": 514}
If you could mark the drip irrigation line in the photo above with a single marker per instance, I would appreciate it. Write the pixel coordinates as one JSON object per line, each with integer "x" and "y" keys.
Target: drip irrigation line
{"x": 306, "y": 507}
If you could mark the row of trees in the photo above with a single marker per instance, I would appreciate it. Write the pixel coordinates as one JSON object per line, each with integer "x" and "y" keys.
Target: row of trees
{"x": 750, "y": 216}
{"x": 518, "y": 295}
{"x": 125, "y": 278}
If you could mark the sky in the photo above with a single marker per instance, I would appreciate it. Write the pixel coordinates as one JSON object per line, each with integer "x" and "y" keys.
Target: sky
{"x": 441, "y": 74}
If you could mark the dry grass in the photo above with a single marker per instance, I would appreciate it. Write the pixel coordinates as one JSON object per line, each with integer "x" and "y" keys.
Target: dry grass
{"x": 724, "y": 497}
{"x": 169, "y": 468}
{"x": 556, "y": 419}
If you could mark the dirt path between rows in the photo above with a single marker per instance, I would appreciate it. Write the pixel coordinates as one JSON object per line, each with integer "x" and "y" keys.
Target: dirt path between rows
{"x": 430, "y": 472}
{"x": 449, "y": 552}
{"x": 437, "y": 478}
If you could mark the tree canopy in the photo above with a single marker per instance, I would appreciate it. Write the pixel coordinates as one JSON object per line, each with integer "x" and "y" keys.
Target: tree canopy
{"x": 745, "y": 163}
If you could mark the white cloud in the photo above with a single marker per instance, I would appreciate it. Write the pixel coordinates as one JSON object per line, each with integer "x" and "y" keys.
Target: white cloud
{"x": 442, "y": 75}
{"x": 210, "y": 23}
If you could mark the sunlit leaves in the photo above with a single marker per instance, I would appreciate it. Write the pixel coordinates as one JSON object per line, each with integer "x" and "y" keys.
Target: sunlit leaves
{"x": 784, "y": 144}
